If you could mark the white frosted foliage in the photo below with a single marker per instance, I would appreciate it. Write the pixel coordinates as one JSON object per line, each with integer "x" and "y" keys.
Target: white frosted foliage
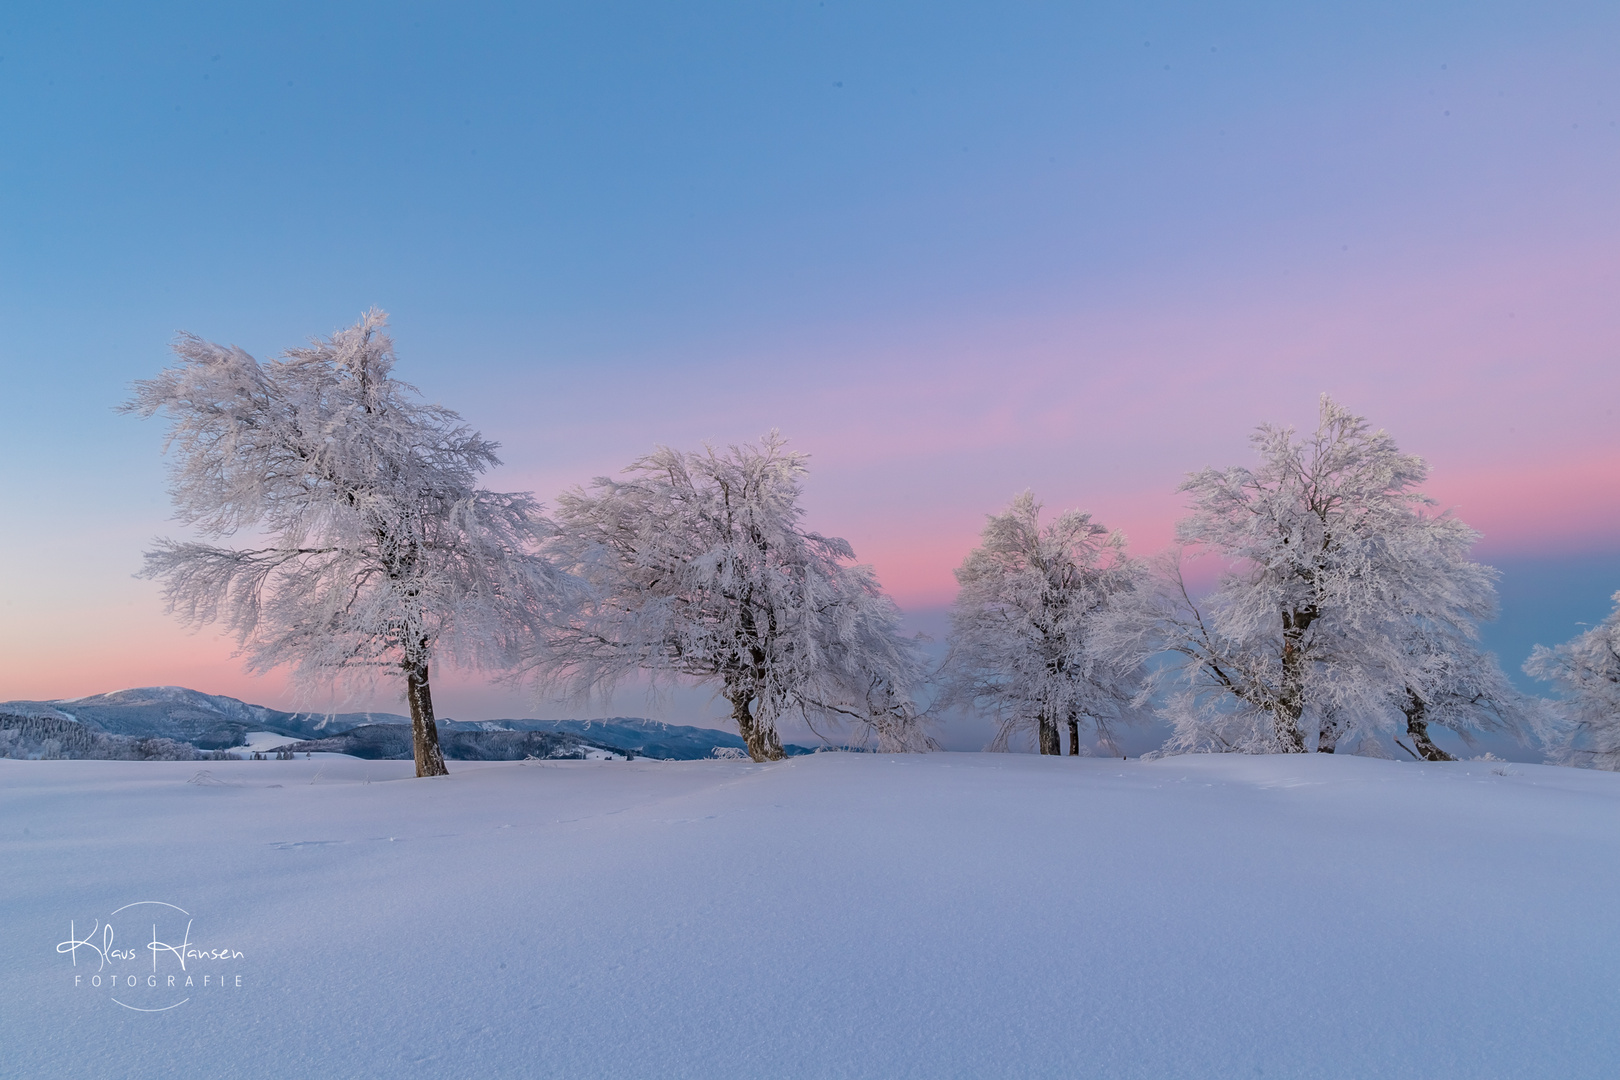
{"x": 1347, "y": 612}
{"x": 699, "y": 568}
{"x": 1031, "y": 600}
{"x": 1586, "y": 669}
{"x": 377, "y": 550}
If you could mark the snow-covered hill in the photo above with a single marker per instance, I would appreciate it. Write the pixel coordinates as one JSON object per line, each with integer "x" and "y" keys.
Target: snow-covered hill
{"x": 392, "y": 742}
{"x": 834, "y": 915}
{"x": 216, "y": 722}
{"x": 643, "y": 738}
{"x": 207, "y": 721}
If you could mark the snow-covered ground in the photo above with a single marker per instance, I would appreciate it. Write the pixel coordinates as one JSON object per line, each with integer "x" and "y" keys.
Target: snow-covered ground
{"x": 261, "y": 742}
{"x": 838, "y": 915}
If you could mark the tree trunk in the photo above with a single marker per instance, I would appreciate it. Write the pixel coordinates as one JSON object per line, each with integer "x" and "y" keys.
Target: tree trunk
{"x": 424, "y": 731}
{"x": 762, "y": 741}
{"x": 1051, "y": 742}
{"x": 1291, "y": 698}
{"x": 1074, "y": 736}
{"x": 1418, "y": 728}
{"x": 1327, "y": 736}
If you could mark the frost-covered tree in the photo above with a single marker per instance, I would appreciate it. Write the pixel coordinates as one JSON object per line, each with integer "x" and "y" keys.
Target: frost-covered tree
{"x": 376, "y": 550}
{"x": 698, "y": 568}
{"x": 1586, "y": 669}
{"x": 1029, "y": 603}
{"x": 1427, "y": 653}
{"x": 1348, "y": 605}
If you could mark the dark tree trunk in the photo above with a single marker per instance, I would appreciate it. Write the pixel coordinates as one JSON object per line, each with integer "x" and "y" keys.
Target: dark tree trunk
{"x": 424, "y": 731}
{"x": 1051, "y": 742}
{"x": 1327, "y": 736}
{"x": 1291, "y": 699}
{"x": 1074, "y": 736}
{"x": 1418, "y": 728}
{"x": 762, "y": 741}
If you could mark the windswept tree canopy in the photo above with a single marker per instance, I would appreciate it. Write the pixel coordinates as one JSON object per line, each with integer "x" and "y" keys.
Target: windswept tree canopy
{"x": 1031, "y": 601}
{"x": 1349, "y": 608}
{"x": 699, "y": 568}
{"x": 1586, "y": 669}
{"x": 376, "y": 548}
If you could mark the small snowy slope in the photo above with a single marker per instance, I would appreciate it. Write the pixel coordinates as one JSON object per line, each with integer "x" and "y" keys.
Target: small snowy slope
{"x": 837, "y": 915}
{"x": 261, "y": 742}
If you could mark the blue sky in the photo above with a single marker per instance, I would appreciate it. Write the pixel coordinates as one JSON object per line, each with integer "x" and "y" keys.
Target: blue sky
{"x": 951, "y": 250}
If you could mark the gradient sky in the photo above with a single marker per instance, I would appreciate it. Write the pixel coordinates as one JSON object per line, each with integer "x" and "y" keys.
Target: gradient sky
{"x": 952, "y": 251}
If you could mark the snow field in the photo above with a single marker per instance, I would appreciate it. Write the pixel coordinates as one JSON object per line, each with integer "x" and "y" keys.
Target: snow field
{"x": 261, "y": 742}
{"x": 837, "y": 915}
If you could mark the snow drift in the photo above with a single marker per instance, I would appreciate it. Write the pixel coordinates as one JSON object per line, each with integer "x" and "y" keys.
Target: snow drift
{"x": 832, "y": 915}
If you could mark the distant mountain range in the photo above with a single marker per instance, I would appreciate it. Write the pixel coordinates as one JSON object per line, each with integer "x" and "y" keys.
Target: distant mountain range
{"x": 206, "y": 721}
{"x": 392, "y": 742}
{"x": 216, "y": 722}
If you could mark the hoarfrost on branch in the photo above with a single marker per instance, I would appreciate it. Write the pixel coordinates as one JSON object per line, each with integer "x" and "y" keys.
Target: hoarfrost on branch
{"x": 1587, "y": 671}
{"x": 698, "y": 567}
{"x": 1031, "y": 600}
{"x": 379, "y": 551}
{"x": 1348, "y": 610}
